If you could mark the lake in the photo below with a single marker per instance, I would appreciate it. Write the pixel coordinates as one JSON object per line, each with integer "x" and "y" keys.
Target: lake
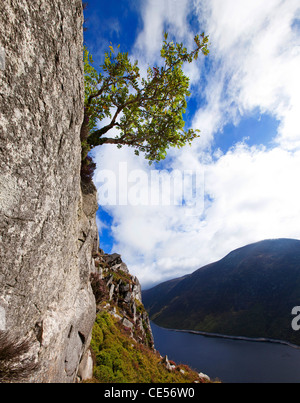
{"x": 231, "y": 361}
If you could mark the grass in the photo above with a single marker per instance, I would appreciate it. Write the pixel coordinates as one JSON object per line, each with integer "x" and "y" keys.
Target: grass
{"x": 119, "y": 359}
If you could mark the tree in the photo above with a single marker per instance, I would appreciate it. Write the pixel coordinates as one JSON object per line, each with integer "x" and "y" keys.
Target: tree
{"x": 147, "y": 112}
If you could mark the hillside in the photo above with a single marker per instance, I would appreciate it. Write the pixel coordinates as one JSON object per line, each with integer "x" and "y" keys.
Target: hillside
{"x": 122, "y": 345}
{"x": 250, "y": 293}
{"x": 121, "y": 359}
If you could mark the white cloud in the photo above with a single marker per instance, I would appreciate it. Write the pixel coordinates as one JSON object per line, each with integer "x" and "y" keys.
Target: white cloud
{"x": 251, "y": 192}
{"x": 253, "y": 195}
{"x": 164, "y": 16}
{"x": 101, "y": 225}
{"x": 257, "y": 54}
{"x": 158, "y": 16}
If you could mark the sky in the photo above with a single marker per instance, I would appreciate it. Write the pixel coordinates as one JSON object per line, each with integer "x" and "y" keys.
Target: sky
{"x": 239, "y": 182}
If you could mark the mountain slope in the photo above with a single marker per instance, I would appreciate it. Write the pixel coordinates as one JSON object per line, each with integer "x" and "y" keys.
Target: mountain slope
{"x": 122, "y": 344}
{"x": 250, "y": 292}
{"x": 121, "y": 359}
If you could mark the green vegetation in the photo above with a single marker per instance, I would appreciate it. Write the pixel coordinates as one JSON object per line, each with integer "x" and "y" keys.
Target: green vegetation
{"x": 147, "y": 112}
{"x": 119, "y": 359}
{"x": 119, "y": 275}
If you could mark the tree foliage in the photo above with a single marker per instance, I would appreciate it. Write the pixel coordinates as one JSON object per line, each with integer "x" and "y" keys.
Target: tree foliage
{"x": 147, "y": 111}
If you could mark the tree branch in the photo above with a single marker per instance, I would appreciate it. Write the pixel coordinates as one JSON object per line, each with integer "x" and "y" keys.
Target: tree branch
{"x": 106, "y": 86}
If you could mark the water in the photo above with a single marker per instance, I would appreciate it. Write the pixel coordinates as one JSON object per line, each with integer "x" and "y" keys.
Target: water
{"x": 231, "y": 361}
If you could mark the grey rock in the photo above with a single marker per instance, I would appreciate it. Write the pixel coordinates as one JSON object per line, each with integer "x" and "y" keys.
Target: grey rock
{"x": 119, "y": 266}
{"x": 47, "y": 224}
{"x": 111, "y": 291}
{"x": 124, "y": 288}
{"x": 127, "y": 297}
{"x": 73, "y": 353}
{"x": 133, "y": 310}
{"x": 85, "y": 370}
{"x": 2, "y": 318}
{"x": 110, "y": 280}
{"x": 113, "y": 259}
{"x": 204, "y": 376}
{"x": 124, "y": 267}
{"x": 127, "y": 323}
{"x": 137, "y": 291}
{"x": 166, "y": 362}
{"x": 126, "y": 293}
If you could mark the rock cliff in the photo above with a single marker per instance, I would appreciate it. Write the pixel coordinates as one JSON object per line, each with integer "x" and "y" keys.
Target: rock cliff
{"x": 53, "y": 276}
{"x": 47, "y": 223}
{"x": 119, "y": 293}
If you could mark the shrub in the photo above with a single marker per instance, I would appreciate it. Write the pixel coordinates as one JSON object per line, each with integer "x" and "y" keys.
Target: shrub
{"x": 122, "y": 360}
{"x": 104, "y": 373}
{"x": 104, "y": 358}
{"x": 87, "y": 169}
{"x": 14, "y": 366}
{"x": 99, "y": 287}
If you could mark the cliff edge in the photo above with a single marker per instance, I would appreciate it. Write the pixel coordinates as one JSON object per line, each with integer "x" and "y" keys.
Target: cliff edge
{"x": 47, "y": 228}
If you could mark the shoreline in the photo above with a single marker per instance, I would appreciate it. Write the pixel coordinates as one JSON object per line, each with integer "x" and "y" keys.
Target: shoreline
{"x": 240, "y": 338}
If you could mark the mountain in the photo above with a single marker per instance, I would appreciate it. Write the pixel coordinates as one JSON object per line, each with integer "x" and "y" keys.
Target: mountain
{"x": 251, "y": 292}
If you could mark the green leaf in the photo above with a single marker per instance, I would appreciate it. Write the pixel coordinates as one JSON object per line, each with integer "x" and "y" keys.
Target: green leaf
{"x": 147, "y": 111}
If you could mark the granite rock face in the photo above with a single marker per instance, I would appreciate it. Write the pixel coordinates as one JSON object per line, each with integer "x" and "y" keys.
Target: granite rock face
{"x": 119, "y": 293}
{"x": 47, "y": 224}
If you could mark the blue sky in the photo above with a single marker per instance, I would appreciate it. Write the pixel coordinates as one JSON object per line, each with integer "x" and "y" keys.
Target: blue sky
{"x": 246, "y": 102}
